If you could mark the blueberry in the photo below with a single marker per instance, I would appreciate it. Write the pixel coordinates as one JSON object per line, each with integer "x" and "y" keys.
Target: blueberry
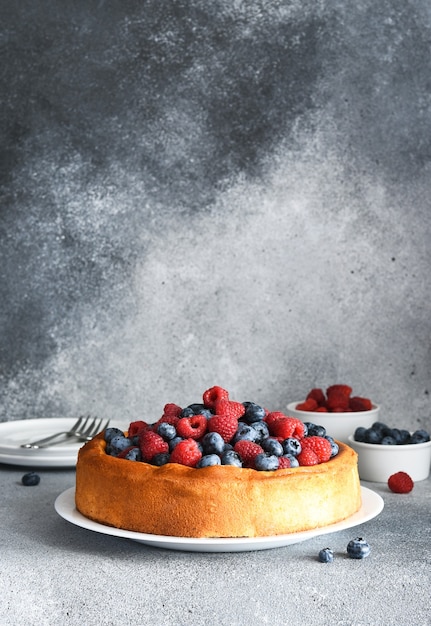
{"x": 381, "y": 428}
{"x": 31, "y": 479}
{"x": 359, "y": 433}
{"x": 358, "y": 548}
{"x": 118, "y": 444}
{"x": 112, "y": 432}
{"x": 159, "y": 459}
{"x": 293, "y": 460}
{"x": 213, "y": 443}
{"x": 206, "y": 413}
{"x": 395, "y": 433}
{"x": 272, "y": 446}
{"x": 208, "y": 460}
{"x": 167, "y": 431}
{"x": 388, "y": 440}
{"x": 262, "y": 430}
{"x": 253, "y": 412}
{"x": 405, "y": 436}
{"x": 173, "y": 442}
{"x": 326, "y": 555}
{"x": 134, "y": 454}
{"x": 187, "y": 412}
{"x": 291, "y": 446}
{"x": 196, "y": 407}
{"x": 334, "y": 446}
{"x": 266, "y": 462}
{"x": 420, "y": 436}
{"x": 244, "y": 431}
{"x": 230, "y": 457}
{"x": 372, "y": 436}
{"x": 315, "y": 430}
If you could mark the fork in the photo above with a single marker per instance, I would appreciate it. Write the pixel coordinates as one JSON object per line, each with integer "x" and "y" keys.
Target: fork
{"x": 84, "y": 429}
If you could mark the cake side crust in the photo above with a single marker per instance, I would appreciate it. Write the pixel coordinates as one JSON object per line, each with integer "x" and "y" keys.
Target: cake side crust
{"x": 218, "y": 501}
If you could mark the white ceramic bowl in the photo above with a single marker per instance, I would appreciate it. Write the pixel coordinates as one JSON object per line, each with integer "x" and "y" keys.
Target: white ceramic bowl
{"x": 338, "y": 425}
{"x": 376, "y": 463}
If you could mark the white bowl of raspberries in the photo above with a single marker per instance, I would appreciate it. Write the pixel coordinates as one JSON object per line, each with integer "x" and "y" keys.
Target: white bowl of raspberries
{"x": 336, "y": 409}
{"x": 384, "y": 451}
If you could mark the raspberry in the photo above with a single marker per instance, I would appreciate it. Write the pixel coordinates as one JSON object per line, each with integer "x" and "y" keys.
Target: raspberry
{"x": 166, "y": 419}
{"x": 224, "y": 425}
{"x": 341, "y": 390}
{"x": 319, "y": 445}
{"x": 211, "y": 396}
{"x": 307, "y": 456}
{"x": 283, "y": 462}
{"x": 317, "y": 395}
{"x": 400, "y": 483}
{"x": 229, "y": 407}
{"x": 172, "y": 409}
{"x": 337, "y": 402}
{"x": 309, "y": 405}
{"x": 151, "y": 444}
{"x": 248, "y": 451}
{"x": 136, "y": 427}
{"x": 272, "y": 417}
{"x": 286, "y": 427}
{"x": 360, "y": 404}
{"x": 193, "y": 427}
{"x": 186, "y": 452}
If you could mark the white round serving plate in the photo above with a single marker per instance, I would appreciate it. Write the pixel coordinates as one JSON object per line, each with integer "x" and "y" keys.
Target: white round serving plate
{"x": 372, "y": 505}
{"x": 16, "y": 432}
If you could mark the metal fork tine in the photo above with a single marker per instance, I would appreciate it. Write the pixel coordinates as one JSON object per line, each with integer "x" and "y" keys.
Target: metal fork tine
{"x": 74, "y": 428}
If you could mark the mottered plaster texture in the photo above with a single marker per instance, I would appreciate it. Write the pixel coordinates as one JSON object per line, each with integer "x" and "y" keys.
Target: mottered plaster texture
{"x": 232, "y": 193}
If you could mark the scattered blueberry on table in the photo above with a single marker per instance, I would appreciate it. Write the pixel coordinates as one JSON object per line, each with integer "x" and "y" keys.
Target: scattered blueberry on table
{"x": 326, "y": 555}
{"x": 31, "y": 479}
{"x": 358, "y": 548}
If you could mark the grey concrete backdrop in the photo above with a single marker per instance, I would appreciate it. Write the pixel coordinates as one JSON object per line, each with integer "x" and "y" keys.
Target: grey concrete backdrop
{"x": 225, "y": 192}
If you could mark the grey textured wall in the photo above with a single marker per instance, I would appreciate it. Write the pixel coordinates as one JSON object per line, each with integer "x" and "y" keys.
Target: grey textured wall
{"x": 225, "y": 192}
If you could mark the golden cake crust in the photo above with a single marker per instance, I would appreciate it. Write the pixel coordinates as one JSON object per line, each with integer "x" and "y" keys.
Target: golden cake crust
{"x": 218, "y": 501}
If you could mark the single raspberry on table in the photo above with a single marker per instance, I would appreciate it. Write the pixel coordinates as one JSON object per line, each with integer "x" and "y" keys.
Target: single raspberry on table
{"x": 193, "y": 427}
{"x": 400, "y": 483}
{"x": 229, "y": 407}
{"x": 214, "y": 394}
{"x": 150, "y": 444}
{"x": 224, "y": 425}
{"x": 319, "y": 445}
{"x": 248, "y": 451}
{"x": 307, "y": 456}
{"x": 186, "y": 452}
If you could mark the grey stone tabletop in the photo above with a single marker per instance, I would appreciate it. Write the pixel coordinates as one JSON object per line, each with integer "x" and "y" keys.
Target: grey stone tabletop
{"x": 54, "y": 572}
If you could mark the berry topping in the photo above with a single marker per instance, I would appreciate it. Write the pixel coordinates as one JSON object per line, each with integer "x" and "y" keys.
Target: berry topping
{"x": 284, "y": 462}
{"x": 31, "y": 479}
{"x": 213, "y": 395}
{"x": 224, "y": 425}
{"x": 186, "y": 452}
{"x": 136, "y": 427}
{"x": 320, "y": 446}
{"x": 358, "y": 548}
{"x": 307, "y": 456}
{"x": 400, "y": 483}
{"x": 230, "y": 408}
{"x": 326, "y": 555}
{"x": 151, "y": 444}
{"x": 248, "y": 451}
{"x": 193, "y": 427}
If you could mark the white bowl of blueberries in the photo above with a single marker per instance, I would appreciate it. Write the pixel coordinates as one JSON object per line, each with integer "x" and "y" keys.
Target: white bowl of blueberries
{"x": 383, "y": 451}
